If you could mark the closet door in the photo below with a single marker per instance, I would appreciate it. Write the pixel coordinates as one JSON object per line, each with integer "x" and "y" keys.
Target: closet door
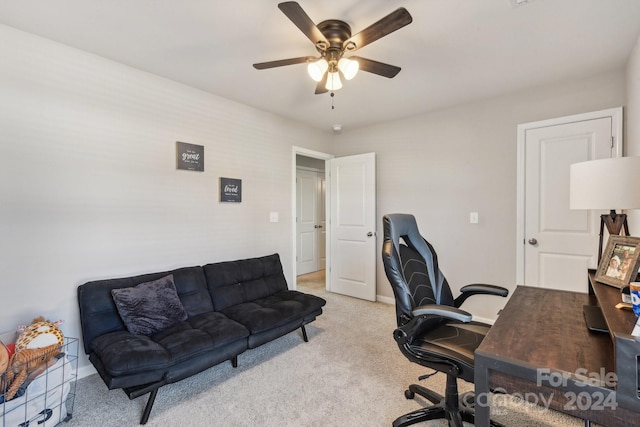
{"x": 310, "y": 221}
{"x": 556, "y": 244}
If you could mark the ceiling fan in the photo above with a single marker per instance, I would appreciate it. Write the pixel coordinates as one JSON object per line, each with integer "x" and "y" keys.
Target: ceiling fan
{"x": 332, "y": 39}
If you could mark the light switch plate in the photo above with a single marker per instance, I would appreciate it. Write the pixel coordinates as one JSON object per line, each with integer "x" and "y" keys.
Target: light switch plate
{"x": 473, "y": 217}
{"x": 273, "y": 216}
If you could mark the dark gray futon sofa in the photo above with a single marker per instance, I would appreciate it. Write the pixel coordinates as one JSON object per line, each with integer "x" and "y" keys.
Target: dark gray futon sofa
{"x": 221, "y": 310}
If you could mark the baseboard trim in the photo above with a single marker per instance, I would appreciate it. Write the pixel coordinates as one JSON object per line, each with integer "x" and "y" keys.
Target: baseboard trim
{"x": 85, "y": 371}
{"x": 484, "y": 320}
{"x": 385, "y": 300}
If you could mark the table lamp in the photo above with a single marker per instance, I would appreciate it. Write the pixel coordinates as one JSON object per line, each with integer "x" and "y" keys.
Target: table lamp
{"x": 606, "y": 184}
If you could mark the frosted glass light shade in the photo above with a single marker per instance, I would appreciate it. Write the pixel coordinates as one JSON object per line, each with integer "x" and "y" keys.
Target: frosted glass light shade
{"x": 333, "y": 81}
{"x": 605, "y": 184}
{"x": 317, "y": 69}
{"x": 349, "y": 67}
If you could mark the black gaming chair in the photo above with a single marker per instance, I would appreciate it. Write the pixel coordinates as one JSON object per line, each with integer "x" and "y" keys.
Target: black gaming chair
{"x": 432, "y": 330}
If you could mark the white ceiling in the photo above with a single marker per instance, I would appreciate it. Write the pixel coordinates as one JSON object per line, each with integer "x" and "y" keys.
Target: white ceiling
{"x": 455, "y": 51}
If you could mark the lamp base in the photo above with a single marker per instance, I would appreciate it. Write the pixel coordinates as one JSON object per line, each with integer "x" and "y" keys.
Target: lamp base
{"x": 615, "y": 223}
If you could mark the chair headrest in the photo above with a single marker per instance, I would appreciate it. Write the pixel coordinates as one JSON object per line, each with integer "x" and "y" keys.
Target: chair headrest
{"x": 403, "y": 226}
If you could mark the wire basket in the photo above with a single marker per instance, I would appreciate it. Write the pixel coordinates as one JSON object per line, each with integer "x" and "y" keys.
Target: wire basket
{"x": 46, "y": 396}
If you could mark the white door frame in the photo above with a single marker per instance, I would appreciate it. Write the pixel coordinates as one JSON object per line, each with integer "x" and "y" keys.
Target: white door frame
{"x": 316, "y": 155}
{"x": 616, "y": 120}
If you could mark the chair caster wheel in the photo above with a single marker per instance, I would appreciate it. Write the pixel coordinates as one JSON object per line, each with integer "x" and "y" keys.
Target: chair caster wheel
{"x": 409, "y": 394}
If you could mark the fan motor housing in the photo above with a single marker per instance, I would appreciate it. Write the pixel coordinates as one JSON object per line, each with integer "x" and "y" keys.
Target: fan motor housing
{"x": 335, "y": 31}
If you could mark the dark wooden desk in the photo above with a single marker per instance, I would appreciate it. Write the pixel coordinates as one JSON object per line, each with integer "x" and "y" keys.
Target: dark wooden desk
{"x": 540, "y": 349}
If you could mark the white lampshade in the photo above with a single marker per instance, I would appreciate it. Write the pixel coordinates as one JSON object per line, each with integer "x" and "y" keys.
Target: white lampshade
{"x": 317, "y": 69}
{"x": 349, "y": 67}
{"x": 333, "y": 81}
{"x": 611, "y": 184}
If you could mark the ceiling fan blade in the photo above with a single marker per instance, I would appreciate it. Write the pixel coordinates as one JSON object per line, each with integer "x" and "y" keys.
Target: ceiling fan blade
{"x": 375, "y": 67}
{"x": 321, "y": 87}
{"x": 300, "y": 18}
{"x": 283, "y": 62}
{"x": 387, "y": 25}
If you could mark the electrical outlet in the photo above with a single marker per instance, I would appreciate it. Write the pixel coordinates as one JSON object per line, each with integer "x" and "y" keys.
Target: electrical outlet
{"x": 273, "y": 216}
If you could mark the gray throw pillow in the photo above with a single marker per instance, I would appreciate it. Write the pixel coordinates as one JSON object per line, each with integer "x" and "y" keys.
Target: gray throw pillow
{"x": 149, "y": 307}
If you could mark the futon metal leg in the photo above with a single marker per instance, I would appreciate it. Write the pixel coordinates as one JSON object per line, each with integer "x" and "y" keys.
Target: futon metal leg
{"x": 304, "y": 334}
{"x": 147, "y": 409}
{"x": 234, "y": 361}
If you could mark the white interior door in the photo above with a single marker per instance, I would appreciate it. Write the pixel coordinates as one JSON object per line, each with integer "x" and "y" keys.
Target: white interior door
{"x": 310, "y": 221}
{"x": 559, "y": 244}
{"x": 352, "y": 226}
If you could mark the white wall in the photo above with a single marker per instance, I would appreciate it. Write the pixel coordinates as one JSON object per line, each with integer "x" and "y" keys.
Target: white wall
{"x": 443, "y": 165}
{"x": 88, "y": 181}
{"x": 632, "y": 121}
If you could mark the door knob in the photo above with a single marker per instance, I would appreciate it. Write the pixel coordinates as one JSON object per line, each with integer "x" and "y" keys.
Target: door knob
{"x": 533, "y": 241}
{"x": 369, "y": 234}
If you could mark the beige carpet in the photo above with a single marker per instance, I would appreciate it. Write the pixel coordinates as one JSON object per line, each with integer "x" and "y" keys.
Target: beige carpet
{"x": 350, "y": 373}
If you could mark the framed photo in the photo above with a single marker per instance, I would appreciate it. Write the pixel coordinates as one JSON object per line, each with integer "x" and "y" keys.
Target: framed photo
{"x": 230, "y": 190}
{"x": 189, "y": 156}
{"x": 619, "y": 263}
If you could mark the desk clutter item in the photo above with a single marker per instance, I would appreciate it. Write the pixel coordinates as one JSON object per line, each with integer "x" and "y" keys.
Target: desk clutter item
{"x": 624, "y": 306}
{"x": 636, "y": 333}
{"x": 625, "y": 294}
{"x": 37, "y": 386}
{"x": 634, "y": 293}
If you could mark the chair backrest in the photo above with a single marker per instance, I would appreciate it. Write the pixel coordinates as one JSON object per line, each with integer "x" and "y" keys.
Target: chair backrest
{"x": 411, "y": 265}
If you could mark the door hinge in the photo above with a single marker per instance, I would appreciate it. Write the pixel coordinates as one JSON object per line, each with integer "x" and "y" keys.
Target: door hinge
{"x": 613, "y": 139}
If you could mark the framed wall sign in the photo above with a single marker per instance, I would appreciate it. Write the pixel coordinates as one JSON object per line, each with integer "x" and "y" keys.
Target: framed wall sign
{"x": 190, "y": 156}
{"x": 230, "y": 190}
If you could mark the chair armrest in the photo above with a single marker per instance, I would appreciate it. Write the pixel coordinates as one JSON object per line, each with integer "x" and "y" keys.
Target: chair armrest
{"x": 479, "y": 289}
{"x": 424, "y": 317}
{"x": 452, "y": 313}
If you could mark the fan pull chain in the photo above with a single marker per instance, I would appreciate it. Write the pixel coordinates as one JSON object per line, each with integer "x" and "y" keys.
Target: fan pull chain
{"x": 332, "y": 106}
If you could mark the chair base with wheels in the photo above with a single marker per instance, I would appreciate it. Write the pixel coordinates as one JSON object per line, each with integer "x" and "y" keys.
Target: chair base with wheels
{"x": 446, "y": 407}
{"x": 455, "y": 409}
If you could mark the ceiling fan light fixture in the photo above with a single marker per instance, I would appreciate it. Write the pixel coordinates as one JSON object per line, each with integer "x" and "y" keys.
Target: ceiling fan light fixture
{"x": 333, "y": 38}
{"x": 333, "y": 81}
{"x": 317, "y": 69}
{"x": 349, "y": 67}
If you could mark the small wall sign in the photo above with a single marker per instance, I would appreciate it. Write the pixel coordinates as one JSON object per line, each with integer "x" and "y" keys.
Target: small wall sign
{"x": 190, "y": 156}
{"x": 230, "y": 190}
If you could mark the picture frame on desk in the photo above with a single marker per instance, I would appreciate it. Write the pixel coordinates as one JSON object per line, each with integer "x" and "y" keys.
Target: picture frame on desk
{"x": 620, "y": 261}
